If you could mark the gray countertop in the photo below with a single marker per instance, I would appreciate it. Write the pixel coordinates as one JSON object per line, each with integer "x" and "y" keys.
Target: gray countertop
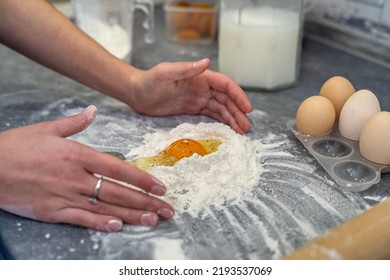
{"x": 294, "y": 202}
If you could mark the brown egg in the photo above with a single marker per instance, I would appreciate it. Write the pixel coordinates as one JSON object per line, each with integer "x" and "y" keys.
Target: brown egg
{"x": 182, "y": 4}
{"x": 315, "y": 116}
{"x": 177, "y": 21}
{"x": 202, "y": 19}
{"x": 202, "y": 22}
{"x": 188, "y": 34}
{"x": 337, "y": 89}
{"x": 202, "y": 5}
{"x": 374, "y": 138}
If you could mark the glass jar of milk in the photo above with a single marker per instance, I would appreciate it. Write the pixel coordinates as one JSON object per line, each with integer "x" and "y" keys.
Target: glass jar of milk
{"x": 110, "y": 23}
{"x": 260, "y": 42}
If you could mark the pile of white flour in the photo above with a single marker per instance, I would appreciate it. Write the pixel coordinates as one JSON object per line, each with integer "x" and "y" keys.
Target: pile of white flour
{"x": 217, "y": 179}
{"x": 113, "y": 37}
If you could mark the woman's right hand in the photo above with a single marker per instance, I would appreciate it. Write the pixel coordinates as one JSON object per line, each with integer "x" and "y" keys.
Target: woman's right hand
{"x": 49, "y": 178}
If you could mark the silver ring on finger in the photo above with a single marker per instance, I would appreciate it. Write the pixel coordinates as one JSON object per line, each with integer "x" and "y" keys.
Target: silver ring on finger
{"x": 94, "y": 197}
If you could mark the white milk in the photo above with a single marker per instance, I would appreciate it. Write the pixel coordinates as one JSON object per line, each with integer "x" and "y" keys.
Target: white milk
{"x": 262, "y": 50}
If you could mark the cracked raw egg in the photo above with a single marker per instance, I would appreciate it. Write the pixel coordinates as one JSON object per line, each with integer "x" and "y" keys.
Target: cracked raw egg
{"x": 176, "y": 151}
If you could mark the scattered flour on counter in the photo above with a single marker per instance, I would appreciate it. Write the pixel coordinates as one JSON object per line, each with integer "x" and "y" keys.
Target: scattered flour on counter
{"x": 168, "y": 249}
{"x": 216, "y": 179}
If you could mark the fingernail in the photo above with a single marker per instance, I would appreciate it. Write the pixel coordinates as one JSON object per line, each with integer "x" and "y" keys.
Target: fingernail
{"x": 148, "y": 220}
{"x": 90, "y": 112}
{"x": 114, "y": 225}
{"x": 158, "y": 187}
{"x": 165, "y": 212}
{"x": 196, "y": 63}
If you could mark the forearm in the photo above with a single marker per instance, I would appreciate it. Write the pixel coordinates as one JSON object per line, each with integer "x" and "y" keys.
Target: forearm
{"x": 37, "y": 30}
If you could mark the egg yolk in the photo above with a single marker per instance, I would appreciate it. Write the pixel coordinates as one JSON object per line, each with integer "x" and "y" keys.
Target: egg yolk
{"x": 184, "y": 148}
{"x": 176, "y": 151}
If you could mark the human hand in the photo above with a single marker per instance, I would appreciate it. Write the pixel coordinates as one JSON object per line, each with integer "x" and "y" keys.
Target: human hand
{"x": 166, "y": 89}
{"x": 189, "y": 88}
{"x": 49, "y": 178}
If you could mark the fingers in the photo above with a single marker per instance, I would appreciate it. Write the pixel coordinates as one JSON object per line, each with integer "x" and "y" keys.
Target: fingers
{"x": 115, "y": 199}
{"x": 223, "y": 100}
{"x": 224, "y": 118}
{"x": 117, "y": 194}
{"x": 83, "y": 218}
{"x": 229, "y": 103}
{"x": 116, "y": 204}
{"x": 227, "y": 86}
{"x": 111, "y": 167}
{"x": 229, "y": 94}
{"x": 102, "y": 222}
{"x": 181, "y": 70}
{"x": 222, "y": 108}
{"x": 70, "y": 125}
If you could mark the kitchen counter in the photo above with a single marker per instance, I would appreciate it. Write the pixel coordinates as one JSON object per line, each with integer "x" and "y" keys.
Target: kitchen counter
{"x": 294, "y": 201}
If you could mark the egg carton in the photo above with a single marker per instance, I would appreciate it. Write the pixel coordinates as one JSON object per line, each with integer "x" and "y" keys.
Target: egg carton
{"x": 341, "y": 159}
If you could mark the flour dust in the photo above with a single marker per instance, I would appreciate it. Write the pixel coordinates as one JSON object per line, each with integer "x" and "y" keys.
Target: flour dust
{"x": 217, "y": 179}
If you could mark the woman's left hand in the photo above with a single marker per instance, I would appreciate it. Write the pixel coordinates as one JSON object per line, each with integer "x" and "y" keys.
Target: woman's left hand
{"x": 189, "y": 88}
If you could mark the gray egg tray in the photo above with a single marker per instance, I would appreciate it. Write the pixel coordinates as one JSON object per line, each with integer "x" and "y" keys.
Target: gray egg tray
{"x": 341, "y": 159}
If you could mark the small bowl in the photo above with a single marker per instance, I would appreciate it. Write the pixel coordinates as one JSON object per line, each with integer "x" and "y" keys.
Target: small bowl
{"x": 191, "y": 22}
